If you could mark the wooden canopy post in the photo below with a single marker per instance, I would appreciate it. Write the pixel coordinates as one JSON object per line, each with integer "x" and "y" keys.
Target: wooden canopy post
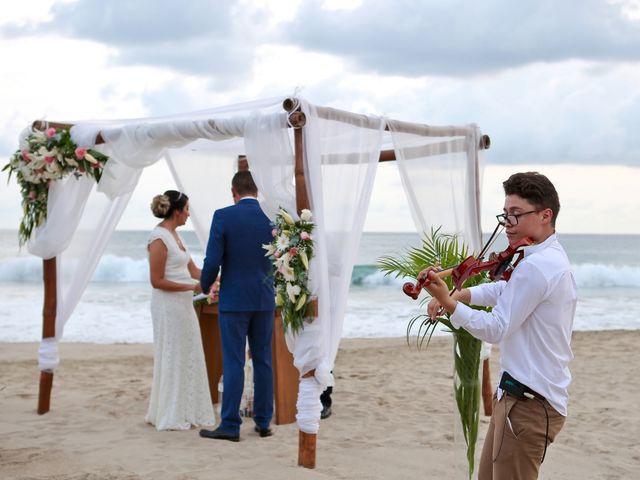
{"x": 306, "y": 441}
{"x": 48, "y": 329}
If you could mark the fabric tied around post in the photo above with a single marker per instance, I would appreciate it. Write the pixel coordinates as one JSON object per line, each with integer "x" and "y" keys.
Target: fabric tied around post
{"x": 48, "y": 358}
{"x": 485, "y": 351}
{"x": 309, "y": 405}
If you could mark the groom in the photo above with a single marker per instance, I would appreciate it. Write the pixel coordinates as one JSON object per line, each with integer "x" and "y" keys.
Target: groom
{"x": 246, "y": 305}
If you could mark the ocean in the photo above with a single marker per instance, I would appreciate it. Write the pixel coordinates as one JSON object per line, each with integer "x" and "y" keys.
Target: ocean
{"x": 115, "y": 305}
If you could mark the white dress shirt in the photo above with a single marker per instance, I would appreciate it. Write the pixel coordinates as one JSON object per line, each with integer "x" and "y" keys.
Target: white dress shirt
{"x": 531, "y": 319}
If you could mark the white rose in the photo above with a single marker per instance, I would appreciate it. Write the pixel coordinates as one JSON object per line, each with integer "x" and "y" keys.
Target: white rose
{"x": 305, "y": 215}
{"x": 292, "y": 291}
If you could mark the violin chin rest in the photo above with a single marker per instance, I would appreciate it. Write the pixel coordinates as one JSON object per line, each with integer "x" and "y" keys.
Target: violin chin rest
{"x": 409, "y": 289}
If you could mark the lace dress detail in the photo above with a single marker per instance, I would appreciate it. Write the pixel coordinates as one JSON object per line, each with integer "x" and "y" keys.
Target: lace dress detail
{"x": 180, "y": 390}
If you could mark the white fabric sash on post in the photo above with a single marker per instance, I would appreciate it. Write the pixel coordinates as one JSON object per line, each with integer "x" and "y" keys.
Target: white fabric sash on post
{"x": 341, "y": 162}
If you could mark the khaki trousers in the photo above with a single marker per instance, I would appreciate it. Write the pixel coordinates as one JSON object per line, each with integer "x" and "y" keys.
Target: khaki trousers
{"x": 515, "y": 439}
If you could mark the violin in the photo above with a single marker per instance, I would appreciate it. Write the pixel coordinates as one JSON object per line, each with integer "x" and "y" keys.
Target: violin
{"x": 498, "y": 265}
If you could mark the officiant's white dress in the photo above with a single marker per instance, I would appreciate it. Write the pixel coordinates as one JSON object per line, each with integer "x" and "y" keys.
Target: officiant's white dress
{"x": 180, "y": 394}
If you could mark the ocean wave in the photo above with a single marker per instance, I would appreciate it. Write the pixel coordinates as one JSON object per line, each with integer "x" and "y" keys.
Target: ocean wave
{"x": 588, "y": 275}
{"x": 118, "y": 269}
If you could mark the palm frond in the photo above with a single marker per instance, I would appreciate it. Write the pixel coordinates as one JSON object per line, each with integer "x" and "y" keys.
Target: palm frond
{"x": 446, "y": 251}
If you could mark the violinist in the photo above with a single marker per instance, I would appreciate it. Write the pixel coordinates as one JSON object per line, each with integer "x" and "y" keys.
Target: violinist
{"x": 531, "y": 321}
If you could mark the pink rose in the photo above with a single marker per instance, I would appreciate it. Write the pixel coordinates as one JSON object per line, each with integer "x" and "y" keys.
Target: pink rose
{"x": 80, "y": 152}
{"x": 49, "y": 160}
{"x": 293, "y": 251}
{"x": 277, "y": 254}
{"x": 81, "y": 170}
{"x": 274, "y": 232}
{"x": 305, "y": 236}
{"x": 51, "y": 132}
{"x": 32, "y": 195}
{"x": 25, "y": 156}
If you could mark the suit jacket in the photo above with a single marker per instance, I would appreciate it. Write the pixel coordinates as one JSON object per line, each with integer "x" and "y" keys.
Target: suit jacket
{"x": 235, "y": 246}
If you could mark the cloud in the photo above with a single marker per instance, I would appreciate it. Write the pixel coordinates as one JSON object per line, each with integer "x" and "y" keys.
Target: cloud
{"x": 196, "y": 37}
{"x": 461, "y": 38}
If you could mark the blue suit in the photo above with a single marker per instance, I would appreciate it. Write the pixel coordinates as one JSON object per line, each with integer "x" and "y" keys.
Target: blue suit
{"x": 246, "y": 306}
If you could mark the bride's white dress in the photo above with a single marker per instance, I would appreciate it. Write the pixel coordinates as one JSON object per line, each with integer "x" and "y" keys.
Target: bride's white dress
{"x": 180, "y": 391}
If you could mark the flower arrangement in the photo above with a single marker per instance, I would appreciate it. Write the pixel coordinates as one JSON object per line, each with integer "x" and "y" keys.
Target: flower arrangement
{"x": 446, "y": 251}
{"x": 291, "y": 251}
{"x": 44, "y": 157}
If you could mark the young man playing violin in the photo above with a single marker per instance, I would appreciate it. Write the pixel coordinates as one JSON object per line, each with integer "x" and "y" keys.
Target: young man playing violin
{"x": 531, "y": 320}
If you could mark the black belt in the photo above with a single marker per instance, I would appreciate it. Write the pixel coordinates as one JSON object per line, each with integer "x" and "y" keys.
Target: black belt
{"x": 534, "y": 393}
{"x": 518, "y": 389}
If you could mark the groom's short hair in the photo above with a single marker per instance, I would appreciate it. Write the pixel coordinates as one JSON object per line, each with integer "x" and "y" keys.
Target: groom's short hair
{"x": 243, "y": 183}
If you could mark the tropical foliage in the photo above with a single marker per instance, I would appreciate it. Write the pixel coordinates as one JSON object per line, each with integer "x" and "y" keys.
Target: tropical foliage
{"x": 446, "y": 251}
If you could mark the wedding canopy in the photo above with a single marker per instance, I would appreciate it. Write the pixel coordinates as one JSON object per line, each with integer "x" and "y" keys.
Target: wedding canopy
{"x": 439, "y": 168}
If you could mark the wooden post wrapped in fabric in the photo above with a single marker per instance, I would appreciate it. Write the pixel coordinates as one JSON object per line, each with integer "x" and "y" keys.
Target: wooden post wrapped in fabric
{"x": 49, "y": 278}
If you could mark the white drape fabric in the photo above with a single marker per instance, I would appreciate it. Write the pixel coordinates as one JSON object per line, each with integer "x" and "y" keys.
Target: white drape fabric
{"x": 341, "y": 160}
{"x": 309, "y": 405}
{"x": 81, "y": 218}
{"x": 48, "y": 358}
{"x": 341, "y": 152}
{"x": 440, "y": 172}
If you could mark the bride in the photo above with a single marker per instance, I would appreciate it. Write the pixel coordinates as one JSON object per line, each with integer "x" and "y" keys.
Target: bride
{"x": 180, "y": 395}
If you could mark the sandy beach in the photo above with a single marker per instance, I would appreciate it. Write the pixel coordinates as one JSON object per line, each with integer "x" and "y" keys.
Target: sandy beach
{"x": 393, "y": 418}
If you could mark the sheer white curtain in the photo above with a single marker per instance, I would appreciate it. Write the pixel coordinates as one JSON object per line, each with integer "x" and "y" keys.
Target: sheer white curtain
{"x": 440, "y": 172}
{"x": 342, "y": 152}
{"x": 131, "y": 146}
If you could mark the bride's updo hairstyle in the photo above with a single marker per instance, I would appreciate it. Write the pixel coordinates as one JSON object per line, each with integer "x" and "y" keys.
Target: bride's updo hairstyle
{"x": 163, "y": 206}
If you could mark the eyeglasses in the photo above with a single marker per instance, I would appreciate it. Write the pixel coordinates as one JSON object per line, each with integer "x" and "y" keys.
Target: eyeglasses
{"x": 512, "y": 218}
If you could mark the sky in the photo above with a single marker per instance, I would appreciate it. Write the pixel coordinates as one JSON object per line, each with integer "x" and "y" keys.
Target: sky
{"x": 554, "y": 84}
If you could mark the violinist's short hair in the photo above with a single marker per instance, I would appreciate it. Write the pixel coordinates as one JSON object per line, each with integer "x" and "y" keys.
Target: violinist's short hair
{"x": 536, "y": 189}
{"x": 243, "y": 183}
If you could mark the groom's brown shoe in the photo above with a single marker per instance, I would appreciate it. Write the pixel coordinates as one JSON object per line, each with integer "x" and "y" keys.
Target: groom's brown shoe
{"x": 218, "y": 434}
{"x": 264, "y": 432}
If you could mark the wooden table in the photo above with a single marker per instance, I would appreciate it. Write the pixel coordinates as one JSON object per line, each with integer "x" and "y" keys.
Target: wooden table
{"x": 285, "y": 375}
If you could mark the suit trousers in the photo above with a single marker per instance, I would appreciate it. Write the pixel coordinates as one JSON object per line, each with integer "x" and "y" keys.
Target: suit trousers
{"x": 235, "y": 329}
{"x": 515, "y": 440}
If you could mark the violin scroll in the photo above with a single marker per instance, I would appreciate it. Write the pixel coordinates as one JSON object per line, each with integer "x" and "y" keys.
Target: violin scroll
{"x": 412, "y": 290}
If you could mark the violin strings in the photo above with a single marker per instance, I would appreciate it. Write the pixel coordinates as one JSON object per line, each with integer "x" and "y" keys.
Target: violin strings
{"x": 494, "y": 236}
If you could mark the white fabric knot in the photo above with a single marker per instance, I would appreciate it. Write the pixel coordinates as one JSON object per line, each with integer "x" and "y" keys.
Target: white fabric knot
{"x": 309, "y": 405}
{"x": 48, "y": 358}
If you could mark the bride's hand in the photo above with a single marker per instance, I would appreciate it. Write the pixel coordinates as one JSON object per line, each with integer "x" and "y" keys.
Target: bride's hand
{"x": 197, "y": 289}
